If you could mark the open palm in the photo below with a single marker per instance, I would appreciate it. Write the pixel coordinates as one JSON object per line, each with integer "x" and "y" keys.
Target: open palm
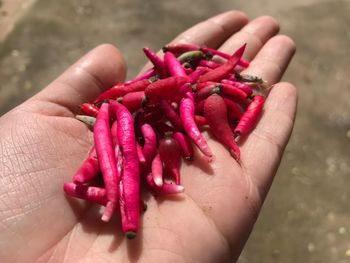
{"x": 42, "y": 145}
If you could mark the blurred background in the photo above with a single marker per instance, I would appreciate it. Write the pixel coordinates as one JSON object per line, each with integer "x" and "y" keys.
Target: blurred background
{"x": 306, "y": 217}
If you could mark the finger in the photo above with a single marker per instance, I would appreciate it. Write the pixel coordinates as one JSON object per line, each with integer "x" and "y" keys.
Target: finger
{"x": 84, "y": 80}
{"x": 215, "y": 30}
{"x": 270, "y": 63}
{"x": 262, "y": 151}
{"x": 273, "y": 59}
{"x": 211, "y": 32}
{"x": 255, "y": 34}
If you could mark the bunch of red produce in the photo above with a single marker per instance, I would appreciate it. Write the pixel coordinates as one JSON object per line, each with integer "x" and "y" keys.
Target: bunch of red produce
{"x": 143, "y": 127}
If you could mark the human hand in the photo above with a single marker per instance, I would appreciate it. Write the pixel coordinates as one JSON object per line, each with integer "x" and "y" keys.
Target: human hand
{"x": 42, "y": 145}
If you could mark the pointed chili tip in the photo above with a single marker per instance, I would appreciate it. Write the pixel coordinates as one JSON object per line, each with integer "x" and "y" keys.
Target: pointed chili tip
{"x": 78, "y": 179}
{"x": 158, "y": 181}
{"x": 188, "y": 158}
{"x": 235, "y": 154}
{"x": 240, "y": 51}
{"x": 180, "y": 189}
{"x": 208, "y": 158}
{"x": 130, "y": 235}
{"x": 107, "y": 214}
{"x": 105, "y": 218}
{"x": 67, "y": 187}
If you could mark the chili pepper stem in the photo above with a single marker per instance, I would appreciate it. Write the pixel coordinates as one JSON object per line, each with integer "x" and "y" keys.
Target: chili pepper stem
{"x": 130, "y": 235}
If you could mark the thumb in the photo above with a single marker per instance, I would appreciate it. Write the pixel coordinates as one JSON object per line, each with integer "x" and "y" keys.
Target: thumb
{"x": 95, "y": 72}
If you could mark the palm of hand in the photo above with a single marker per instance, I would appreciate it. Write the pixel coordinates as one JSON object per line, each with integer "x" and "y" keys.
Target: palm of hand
{"x": 42, "y": 146}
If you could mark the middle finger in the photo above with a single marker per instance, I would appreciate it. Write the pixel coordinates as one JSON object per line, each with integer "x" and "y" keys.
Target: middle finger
{"x": 255, "y": 34}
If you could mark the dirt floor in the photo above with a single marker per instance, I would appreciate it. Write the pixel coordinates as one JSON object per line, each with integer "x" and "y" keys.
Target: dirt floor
{"x": 306, "y": 217}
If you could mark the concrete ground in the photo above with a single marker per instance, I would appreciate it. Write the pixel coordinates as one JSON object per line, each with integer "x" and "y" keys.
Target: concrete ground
{"x": 306, "y": 217}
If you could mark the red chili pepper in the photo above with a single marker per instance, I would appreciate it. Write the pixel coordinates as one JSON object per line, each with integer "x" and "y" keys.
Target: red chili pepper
{"x": 242, "y": 86}
{"x": 140, "y": 155}
{"x": 165, "y": 88}
{"x": 166, "y": 189}
{"x": 173, "y": 65}
{"x": 171, "y": 114}
{"x": 194, "y": 76}
{"x": 182, "y": 91}
{"x": 89, "y": 109}
{"x": 185, "y": 145}
{"x": 88, "y": 170}
{"x": 133, "y": 100}
{"x": 200, "y": 120}
{"x": 117, "y": 149}
{"x": 158, "y": 63}
{"x": 152, "y": 113}
{"x": 250, "y": 117}
{"x": 170, "y": 154}
{"x": 148, "y": 74}
{"x": 234, "y": 113}
{"x": 112, "y": 93}
{"x": 187, "y": 118}
{"x": 225, "y": 69}
{"x": 106, "y": 159}
{"x": 234, "y": 93}
{"x": 198, "y": 107}
{"x": 189, "y": 95}
{"x": 120, "y": 90}
{"x": 242, "y": 62}
{"x": 216, "y": 114}
{"x": 232, "y": 76}
{"x": 150, "y": 145}
{"x": 179, "y": 48}
{"x": 157, "y": 170}
{"x": 202, "y": 85}
{"x": 89, "y": 193}
{"x": 207, "y": 91}
{"x": 130, "y": 179}
{"x": 209, "y": 64}
{"x": 188, "y": 71}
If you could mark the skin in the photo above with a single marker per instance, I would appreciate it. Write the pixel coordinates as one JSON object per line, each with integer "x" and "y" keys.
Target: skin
{"x": 42, "y": 145}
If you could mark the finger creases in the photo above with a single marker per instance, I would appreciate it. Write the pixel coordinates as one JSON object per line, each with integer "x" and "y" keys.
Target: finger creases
{"x": 273, "y": 59}
{"x": 95, "y": 72}
{"x": 214, "y": 31}
{"x": 256, "y": 33}
{"x": 261, "y": 152}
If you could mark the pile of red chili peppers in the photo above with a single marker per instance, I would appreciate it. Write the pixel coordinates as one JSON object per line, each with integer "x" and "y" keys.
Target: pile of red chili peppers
{"x": 143, "y": 127}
